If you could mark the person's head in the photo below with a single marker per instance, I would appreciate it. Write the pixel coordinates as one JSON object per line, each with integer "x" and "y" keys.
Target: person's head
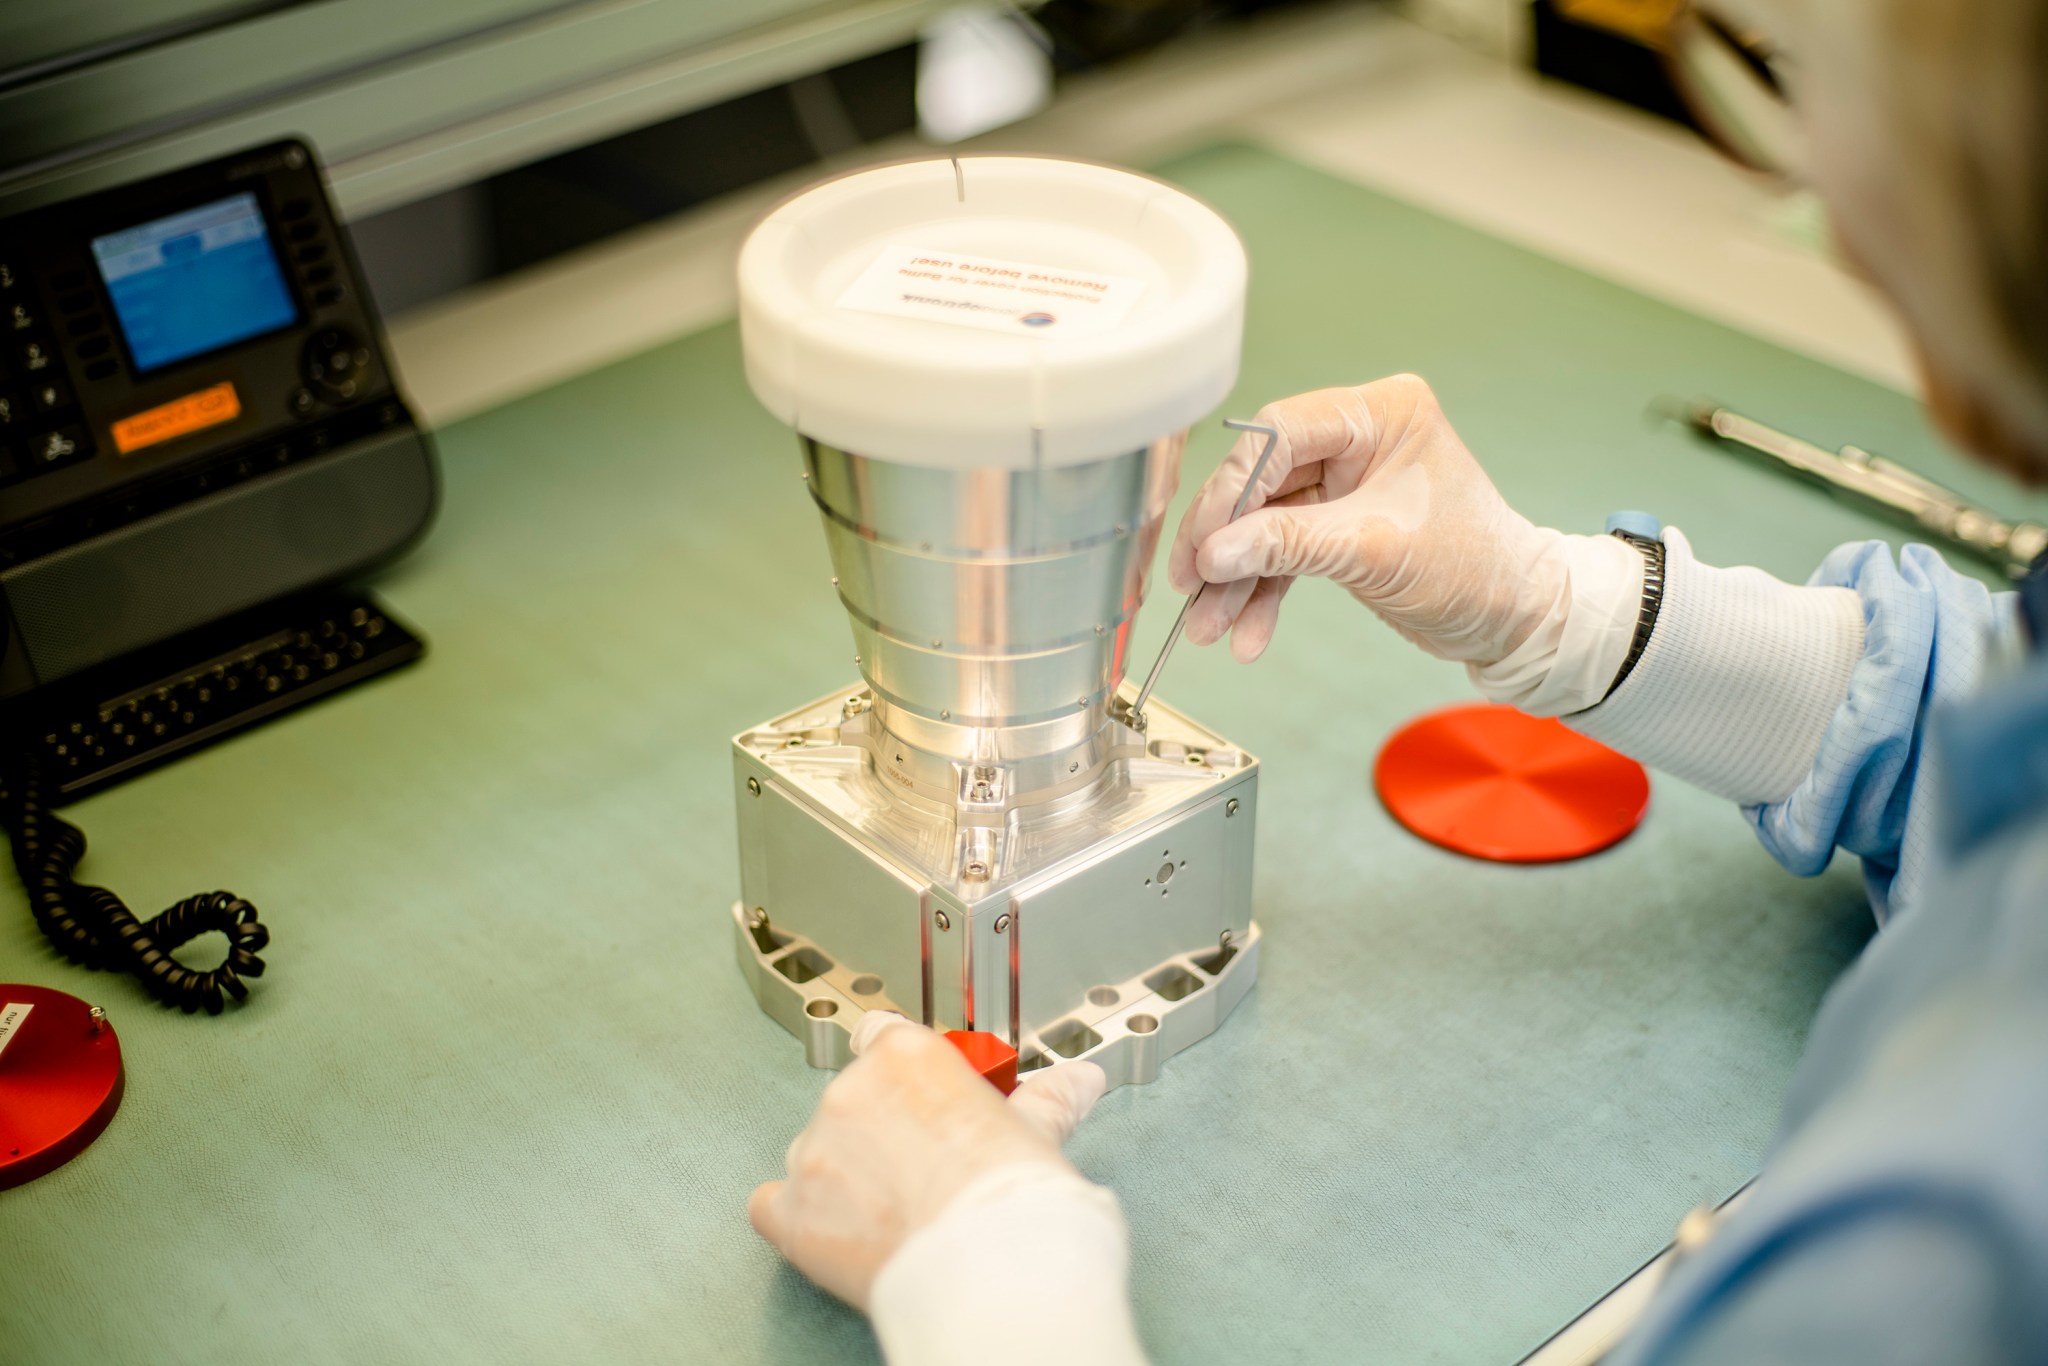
{"x": 1926, "y": 131}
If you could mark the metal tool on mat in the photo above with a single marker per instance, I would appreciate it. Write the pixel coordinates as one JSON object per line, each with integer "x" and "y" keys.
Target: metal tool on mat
{"x": 1877, "y": 483}
{"x": 1134, "y": 714}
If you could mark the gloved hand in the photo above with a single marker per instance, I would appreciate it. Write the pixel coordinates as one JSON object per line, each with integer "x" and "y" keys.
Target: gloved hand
{"x": 1371, "y": 488}
{"x": 896, "y": 1137}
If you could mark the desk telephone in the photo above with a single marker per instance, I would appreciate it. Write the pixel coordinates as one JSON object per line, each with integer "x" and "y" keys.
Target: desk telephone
{"x": 201, "y": 442}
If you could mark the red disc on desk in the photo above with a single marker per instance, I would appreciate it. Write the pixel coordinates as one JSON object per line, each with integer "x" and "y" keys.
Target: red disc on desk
{"x": 1497, "y": 784}
{"x": 60, "y": 1080}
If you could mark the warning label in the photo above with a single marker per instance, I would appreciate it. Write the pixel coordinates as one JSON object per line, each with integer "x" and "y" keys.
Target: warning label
{"x": 11, "y": 1016}
{"x": 996, "y": 296}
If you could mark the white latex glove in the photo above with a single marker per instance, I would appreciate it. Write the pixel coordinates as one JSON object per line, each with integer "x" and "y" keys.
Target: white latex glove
{"x": 1368, "y": 487}
{"x": 1371, "y": 488}
{"x": 897, "y": 1137}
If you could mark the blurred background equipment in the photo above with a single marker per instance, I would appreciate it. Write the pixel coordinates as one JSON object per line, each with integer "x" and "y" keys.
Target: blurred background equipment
{"x": 979, "y": 69}
{"x": 1874, "y": 482}
{"x": 470, "y": 138}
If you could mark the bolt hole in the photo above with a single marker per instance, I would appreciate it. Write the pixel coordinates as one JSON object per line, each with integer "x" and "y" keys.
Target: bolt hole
{"x": 1103, "y": 996}
{"x": 867, "y": 984}
{"x": 1141, "y": 1024}
{"x": 822, "y": 1010}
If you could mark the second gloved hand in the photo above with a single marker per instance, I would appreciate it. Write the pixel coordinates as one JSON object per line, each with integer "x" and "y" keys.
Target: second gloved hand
{"x": 901, "y": 1134}
{"x": 1371, "y": 488}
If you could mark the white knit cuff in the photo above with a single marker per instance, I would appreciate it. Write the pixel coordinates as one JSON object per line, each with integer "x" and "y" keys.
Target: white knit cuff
{"x": 1569, "y": 661}
{"x": 1739, "y": 681}
{"x": 1029, "y": 1265}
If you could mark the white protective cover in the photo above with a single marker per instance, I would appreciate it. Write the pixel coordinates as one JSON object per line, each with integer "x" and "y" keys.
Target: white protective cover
{"x": 928, "y": 391}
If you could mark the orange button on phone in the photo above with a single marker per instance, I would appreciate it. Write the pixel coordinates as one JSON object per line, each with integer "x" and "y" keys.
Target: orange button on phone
{"x": 208, "y": 407}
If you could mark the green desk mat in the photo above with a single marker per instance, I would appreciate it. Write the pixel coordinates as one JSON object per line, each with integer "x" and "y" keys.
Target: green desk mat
{"x": 503, "y": 1095}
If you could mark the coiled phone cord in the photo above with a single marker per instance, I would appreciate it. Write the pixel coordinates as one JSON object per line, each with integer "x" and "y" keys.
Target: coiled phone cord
{"x": 92, "y": 927}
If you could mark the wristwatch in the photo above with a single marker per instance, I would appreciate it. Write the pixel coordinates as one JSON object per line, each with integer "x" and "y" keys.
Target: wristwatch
{"x": 1645, "y": 533}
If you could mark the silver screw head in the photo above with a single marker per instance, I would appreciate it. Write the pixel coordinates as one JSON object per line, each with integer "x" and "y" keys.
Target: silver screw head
{"x": 1230, "y": 807}
{"x": 1225, "y": 939}
{"x": 98, "y": 1015}
{"x": 945, "y": 715}
{"x": 942, "y": 920}
{"x": 1003, "y": 923}
{"x": 757, "y": 917}
{"x": 754, "y": 786}
{"x": 977, "y": 871}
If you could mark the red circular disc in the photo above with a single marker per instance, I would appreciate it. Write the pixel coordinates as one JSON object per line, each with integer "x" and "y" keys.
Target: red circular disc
{"x": 1497, "y": 784}
{"x": 60, "y": 1080}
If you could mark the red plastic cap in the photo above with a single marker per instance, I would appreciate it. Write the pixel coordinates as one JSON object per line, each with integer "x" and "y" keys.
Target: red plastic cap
{"x": 60, "y": 1081}
{"x": 988, "y": 1055}
{"x": 1497, "y": 784}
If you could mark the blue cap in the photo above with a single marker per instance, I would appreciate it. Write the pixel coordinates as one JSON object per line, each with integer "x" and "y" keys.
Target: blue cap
{"x": 1635, "y": 524}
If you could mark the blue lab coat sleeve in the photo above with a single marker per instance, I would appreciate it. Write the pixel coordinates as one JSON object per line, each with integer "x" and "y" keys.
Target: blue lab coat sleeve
{"x": 1902, "y": 1214}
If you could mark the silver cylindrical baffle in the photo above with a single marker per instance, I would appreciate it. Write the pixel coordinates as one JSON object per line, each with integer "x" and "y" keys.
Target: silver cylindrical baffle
{"x": 992, "y": 608}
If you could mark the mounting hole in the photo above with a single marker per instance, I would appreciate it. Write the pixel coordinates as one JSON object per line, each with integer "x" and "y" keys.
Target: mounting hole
{"x": 802, "y": 965}
{"x": 1142, "y": 1024}
{"x": 1103, "y": 996}
{"x": 867, "y": 984}
{"x": 822, "y": 1009}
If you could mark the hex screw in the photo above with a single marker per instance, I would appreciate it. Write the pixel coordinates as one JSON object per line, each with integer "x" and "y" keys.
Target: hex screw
{"x": 1224, "y": 940}
{"x": 98, "y": 1016}
{"x": 1003, "y": 923}
{"x": 942, "y": 920}
{"x": 757, "y": 917}
{"x": 977, "y": 871}
{"x": 1230, "y": 807}
{"x": 754, "y": 786}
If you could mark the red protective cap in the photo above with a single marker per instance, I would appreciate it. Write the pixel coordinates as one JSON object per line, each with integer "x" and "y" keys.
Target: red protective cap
{"x": 988, "y": 1055}
{"x": 60, "y": 1080}
{"x": 1497, "y": 784}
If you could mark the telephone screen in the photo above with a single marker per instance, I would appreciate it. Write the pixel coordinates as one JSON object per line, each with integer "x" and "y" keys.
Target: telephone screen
{"x": 194, "y": 282}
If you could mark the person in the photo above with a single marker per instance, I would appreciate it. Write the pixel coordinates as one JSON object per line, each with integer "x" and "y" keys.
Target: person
{"x": 1890, "y": 707}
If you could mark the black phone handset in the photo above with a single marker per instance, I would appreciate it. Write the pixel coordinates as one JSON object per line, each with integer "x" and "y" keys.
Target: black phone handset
{"x": 94, "y": 928}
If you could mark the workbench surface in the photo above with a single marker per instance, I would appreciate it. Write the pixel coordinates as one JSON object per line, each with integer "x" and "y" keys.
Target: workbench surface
{"x": 503, "y": 1094}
